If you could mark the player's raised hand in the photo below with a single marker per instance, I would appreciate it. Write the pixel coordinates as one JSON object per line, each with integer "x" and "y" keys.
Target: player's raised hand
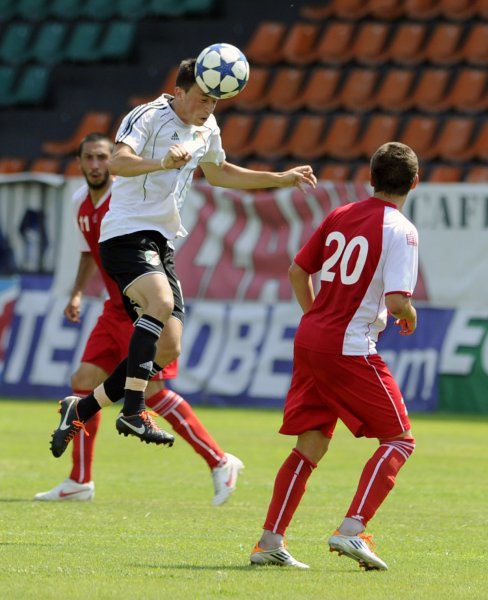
{"x": 300, "y": 177}
{"x": 407, "y": 326}
{"x": 176, "y": 157}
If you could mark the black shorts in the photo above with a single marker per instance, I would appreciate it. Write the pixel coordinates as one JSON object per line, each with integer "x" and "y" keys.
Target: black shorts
{"x": 127, "y": 257}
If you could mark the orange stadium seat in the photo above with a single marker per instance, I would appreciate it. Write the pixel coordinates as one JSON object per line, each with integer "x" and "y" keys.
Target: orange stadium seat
{"x": 265, "y": 45}
{"x": 12, "y": 165}
{"x": 335, "y": 43}
{"x": 253, "y": 96}
{"x": 72, "y": 168}
{"x": 91, "y": 121}
{"x": 269, "y": 139}
{"x": 454, "y": 142}
{"x": 469, "y": 91}
{"x": 385, "y": 9}
{"x": 316, "y": 12}
{"x": 342, "y": 137}
{"x": 334, "y": 172}
{"x": 475, "y": 48}
{"x": 477, "y": 174}
{"x": 458, "y": 9}
{"x": 321, "y": 91}
{"x": 481, "y": 8}
{"x": 395, "y": 90}
{"x": 419, "y": 133}
{"x": 286, "y": 92}
{"x": 422, "y": 9}
{"x": 306, "y": 136}
{"x": 406, "y": 46}
{"x": 370, "y": 43}
{"x": 359, "y": 90}
{"x": 236, "y": 134}
{"x": 445, "y": 174}
{"x": 349, "y": 9}
{"x": 46, "y": 165}
{"x": 299, "y": 44}
{"x": 430, "y": 93}
{"x": 479, "y": 150}
{"x": 361, "y": 173}
{"x": 444, "y": 44}
{"x": 379, "y": 130}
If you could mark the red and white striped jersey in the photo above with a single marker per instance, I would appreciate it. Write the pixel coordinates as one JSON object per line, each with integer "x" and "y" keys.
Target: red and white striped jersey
{"x": 364, "y": 251}
{"x": 89, "y": 219}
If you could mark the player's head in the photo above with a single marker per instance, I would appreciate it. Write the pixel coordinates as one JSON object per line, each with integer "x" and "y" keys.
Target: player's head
{"x": 93, "y": 154}
{"x": 190, "y": 103}
{"x": 394, "y": 169}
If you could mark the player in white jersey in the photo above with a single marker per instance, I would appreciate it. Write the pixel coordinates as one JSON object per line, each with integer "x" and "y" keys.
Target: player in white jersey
{"x": 366, "y": 253}
{"x": 158, "y": 147}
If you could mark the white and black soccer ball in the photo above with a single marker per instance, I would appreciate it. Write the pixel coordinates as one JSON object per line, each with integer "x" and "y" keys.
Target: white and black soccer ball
{"x": 221, "y": 71}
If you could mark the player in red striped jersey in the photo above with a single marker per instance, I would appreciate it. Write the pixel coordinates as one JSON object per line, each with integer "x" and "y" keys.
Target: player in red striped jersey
{"x": 367, "y": 256}
{"x": 109, "y": 341}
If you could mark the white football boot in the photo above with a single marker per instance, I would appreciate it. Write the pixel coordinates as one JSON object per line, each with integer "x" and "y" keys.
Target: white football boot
{"x": 225, "y": 479}
{"x": 359, "y": 548}
{"x": 279, "y": 556}
{"x": 68, "y": 490}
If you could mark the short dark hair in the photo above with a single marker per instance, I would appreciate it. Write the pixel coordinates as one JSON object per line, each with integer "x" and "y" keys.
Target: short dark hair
{"x": 94, "y": 137}
{"x": 393, "y": 169}
{"x": 185, "y": 77}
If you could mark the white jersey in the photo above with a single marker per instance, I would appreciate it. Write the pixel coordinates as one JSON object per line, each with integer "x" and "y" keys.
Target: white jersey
{"x": 153, "y": 200}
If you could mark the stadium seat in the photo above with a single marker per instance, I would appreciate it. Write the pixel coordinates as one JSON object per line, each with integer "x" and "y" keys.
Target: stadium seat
{"x": 167, "y": 87}
{"x": 265, "y": 45}
{"x": 395, "y": 90}
{"x": 72, "y": 168}
{"x": 407, "y": 43}
{"x": 430, "y": 94}
{"x": 33, "y": 85}
{"x": 66, "y": 10}
{"x": 349, "y": 9}
{"x": 14, "y": 43}
{"x": 117, "y": 41}
{"x": 131, "y": 9}
{"x": 475, "y": 48}
{"x": 84, "y": 42}
{"x": 316, "y": 12}
{"x": 12, "y": 165}
{"x": 445, "y": 174}
{"x": 419, "y": 132}
{"x": 98, "y": 10}
{"x": 342, "y": 137}
{"x": 253, "y": 96}
{"x": 385, "y": 9}
{"x": 334, "y": 172}
{"x": 359, "y": 90}
{"x": 469, "y": 91}
{"x": 335, "y": 43}
{"x": 32, "y": 10}
{"x": 236, "y": 135}
{"x": 306, "y": 137}
{"x": 379, "y": 129}
{"x": 8, "y": 75}
{"x": 481, "y": 8}
{"x": 321, "y": 90}
{"x": 45, "y": 165}
{"x": 458, "y": 10}
{"x": 422, "y": 9}
{"x": 48, "y": 44}
{"x": 286, "y": 91}
{"x": 361, "y": 173}
{"x": 299, "y": 44}
{"x": 369, "y": 46}
{"x": 454, "y": 141}
{"x": 90, "y": 122}
{"x": 477, "y": 174}
{"x": 268, "y": 140}
{"x": 444, "y": 44}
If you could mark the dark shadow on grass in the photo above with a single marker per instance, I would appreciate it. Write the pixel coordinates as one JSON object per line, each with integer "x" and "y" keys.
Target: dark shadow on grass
{"x": 16, "y": 500}
{"x": 186, "y": 567}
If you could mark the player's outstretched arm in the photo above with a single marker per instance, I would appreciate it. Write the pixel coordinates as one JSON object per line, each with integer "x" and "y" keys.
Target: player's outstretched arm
{"x": 233, "y": 176}
{"x": 126, "y": 163}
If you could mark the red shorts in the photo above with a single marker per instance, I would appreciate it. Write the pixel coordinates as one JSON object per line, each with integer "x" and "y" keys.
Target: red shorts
{"x": 358, "y": 390}
{"x": 108, "y": 343}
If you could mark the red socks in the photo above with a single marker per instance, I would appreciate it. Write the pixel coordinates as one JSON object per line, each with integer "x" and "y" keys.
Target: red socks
{"x": 84, "y": 448}
{"x": 289, "y": 487}
{"x": 184, "y": 421}
{"x": 378, "y": 477}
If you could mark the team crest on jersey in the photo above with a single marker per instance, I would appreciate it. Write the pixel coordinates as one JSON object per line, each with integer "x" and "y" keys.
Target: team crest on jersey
{"x": 412, "y": 239}
{"x": 197, "y": 135}
{"x": 152, "y": 258}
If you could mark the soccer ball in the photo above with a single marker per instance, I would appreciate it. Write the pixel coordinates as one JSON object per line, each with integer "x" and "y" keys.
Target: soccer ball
{"x": 221, "y": 71}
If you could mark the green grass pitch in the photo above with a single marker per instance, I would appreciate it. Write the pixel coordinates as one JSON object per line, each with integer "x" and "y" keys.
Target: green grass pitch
{"x": 151, "y": 531}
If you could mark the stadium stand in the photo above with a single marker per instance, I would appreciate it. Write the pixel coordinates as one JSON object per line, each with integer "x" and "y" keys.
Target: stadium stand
{"x": 327, "y": 86}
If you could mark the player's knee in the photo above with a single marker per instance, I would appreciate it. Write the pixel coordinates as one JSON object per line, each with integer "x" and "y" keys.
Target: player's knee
{"x": 161, "y": 309}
